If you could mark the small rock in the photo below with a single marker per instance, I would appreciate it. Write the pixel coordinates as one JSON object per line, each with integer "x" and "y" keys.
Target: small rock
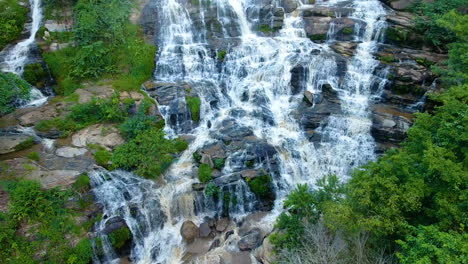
{"x": 222, "y": 224}
{"x": 70, "y": 152}
{"x": 189, "y": 231}
{"x": 205, "y": 229}
{"x": 309, "y": 97}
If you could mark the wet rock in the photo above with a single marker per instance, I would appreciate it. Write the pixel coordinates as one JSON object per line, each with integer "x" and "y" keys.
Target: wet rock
{"x": 299, "y": 79}
{"x": 113, "y": 224}
{"x": 252, "y": 173}
{"x": 198, "y": 186}
{"x": 101, "y": 134}
{"x": 289, "y": 5}
{"x": 12, "y": 143}
{"x": 189, "y": 231}
{"x": 70, "y": 152}
{"x": 205, "y": 229}
{"x": 226, "y": 179}
{"x": 265, "y": 253}
{"x": 251, "y": 240}
{"x": 222, "y": 224}
{"x": 216, "y": 243}
{"x": 228, "y": 234}
{"x": 389, "y": 125}
{"x": 206, "y": 159}
{"x": 215, "y": 151}
{"x": 344, "y": 48}
{"x": 309, "y": 97}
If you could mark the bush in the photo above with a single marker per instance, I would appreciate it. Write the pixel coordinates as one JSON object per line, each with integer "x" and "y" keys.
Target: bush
{"x": 222, "y": 55}
{"x": 33, "y": 156}
{"x": 12, "y": 89}
{"x": 219, "y": 163}
{"x": 211, "y": 190}
{"x": 204, "y": 173}
{"x": 35, "y": 75}
{"x": 27, "y": 200}
{"x": 120, "y": 237}
{"x": 13, "y": 16}
{"x": 261, "y": 186}
{"x": 193, "y": 104}
{"x": 82, "y": 183}
{"x": 149, "y": 153}
{"x": 25, "y": 144}
{"x": 82, "y": 253}
{"x": 140, "y": 122}
{"x": 60, "y": 66}
{"x": 102, "y": 157}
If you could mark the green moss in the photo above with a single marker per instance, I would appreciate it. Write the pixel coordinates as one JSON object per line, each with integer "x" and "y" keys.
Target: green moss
{"x": 222, "y": 55}
{"x": 35, "y": 74}
{"x": 387, "y": 59}
{"x": 250, "y": 163}
{"x": 211, "y": 190}
{"x": 204, "y": 173}
{"x": 318, "y": 37}
{"x": 261, "y": 186}
{"x": 193, "y": 104}
{"x": 25, "y": 144}
{"x": 120, "y": 237}
{"x": 347, "y": 30}
{"x": 33, "y": 156}
{"x": 219, "y": 163}
{"x": 197, "y": 157}
{"x": 268, "y": 29}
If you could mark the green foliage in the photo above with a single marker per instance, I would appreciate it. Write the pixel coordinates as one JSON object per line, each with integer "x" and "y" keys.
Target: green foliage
{"x": 25, "y": 144}
{"x": 267, "y": 29}
{"x": 221, "y": 55}
{"x": 347, "y": 30}
{"x": 33, "y": 156}
{"x": 82, "y": 183}
{"x": 219, "y": 163}
{"x": 197, "y": 157}
{"x": 387, "y": 59}
{"x": 92, "y": 61}
{"x": 49, "y": 223}
{"x": 35, "y": 74}
{"x": 193, "y": 104}
{"x": 204, "y": 173}
{"x": 102, "y": 157}
{"x": 60, "y": 66}
{"x": 318, "y": 37}
{"x": 211, "y": 190}
{"x": 140, "y": 122}
{"x": 261, "y": 186}
{"x": 427, "y": 245}
{"x": 149, "y": 153}
{"x": 426, "y": 21}
{"x": 13, "y": 16}
{"x": 120, "y": 237}
{"x": 12, "y": 88}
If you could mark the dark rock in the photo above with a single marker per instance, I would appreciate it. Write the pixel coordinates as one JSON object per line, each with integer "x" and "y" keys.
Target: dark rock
{"x": 205, "y": 229}
{"x": 309, "y": 97}
{"x": 299, "y": 79}
{"x": 228, "y": 234}
{"x": 389, "y": 124}
{"x": 216, "y": 243}
{"x": 251, "y": 240}
{"x": 113, "y": 224}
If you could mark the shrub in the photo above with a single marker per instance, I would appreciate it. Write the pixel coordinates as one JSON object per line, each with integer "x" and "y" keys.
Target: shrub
{"x": 149, "y": 153}
{"x": 102, "y": 157}
{"x": 34, "y": 74}
{"x": 27, "y": 200}
{"x": 219, "y": 163}
{"x": 13, "y": 16}
{"x": 12, "y": 89}
{"x": 25, "y": 144}
{"x": 60, "y": 66}
{"x": 211, "y": 190}
{"x": 82, "y": 253}
{"x": 197, "y": 157}
{"x": 33, "y": 156}
{"x": 261, "y": 186}
{"x": 82, "y": 183}
{"x": 204, "y": 173}
{"x": 222, "y": 55}
{"x": 139, "y": 123}
{"x": 193, "y": 104}
{"x": 120, "y": 237}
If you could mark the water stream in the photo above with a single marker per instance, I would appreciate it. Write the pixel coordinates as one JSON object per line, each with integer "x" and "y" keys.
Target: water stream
{"x": 255, "y": 79}
{"x": 16, "y": 57}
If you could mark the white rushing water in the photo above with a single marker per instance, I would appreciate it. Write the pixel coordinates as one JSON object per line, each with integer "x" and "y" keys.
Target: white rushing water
{"x": 255, "y": 78}
{"x": 17, "y": 56}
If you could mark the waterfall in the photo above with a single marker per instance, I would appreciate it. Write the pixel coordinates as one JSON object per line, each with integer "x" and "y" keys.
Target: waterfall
{"x": 254, "y": 79}
{"x": 17, "y": 56}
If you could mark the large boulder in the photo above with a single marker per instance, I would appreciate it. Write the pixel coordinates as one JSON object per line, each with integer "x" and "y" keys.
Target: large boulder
{"x": 389, "y": 124}
{"x": 189, "y": 231}
{"x": 251, "y": 240}
{"x": 102, "y": 134}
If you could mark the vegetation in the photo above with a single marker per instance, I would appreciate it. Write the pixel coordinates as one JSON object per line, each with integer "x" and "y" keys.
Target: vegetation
{"x": 212, "y": 190}
{"x": 12, "y": 19}
{"x": 219, "y": 163}
{"x": 82, "y": 183}
{"x": 120, "y": 237}
{"x": 149, "y": 153}
{"x": 27, "y": 143}
{"x": 222, "y": 55}
{"x": 33, "y": 156}
{"x": 35, "y": 74}
{"x": 204, "y": 173}
{"x": 261, "y": 186}
{"x": 44, "y": 214}
{"x": 193, "y": 104}
{"x": 12, "y": 88}
{"x": 102, "y": 157}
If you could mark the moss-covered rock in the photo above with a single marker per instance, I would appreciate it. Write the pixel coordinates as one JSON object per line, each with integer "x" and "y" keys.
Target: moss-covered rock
{"x": 120, "y": 237}
{"x": 194, "y": 104}
{"x": 35, "y": 74}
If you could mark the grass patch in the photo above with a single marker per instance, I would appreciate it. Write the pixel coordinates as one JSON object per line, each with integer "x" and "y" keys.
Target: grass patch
{"x": 204, "y": 173}
{"x": 33, "y": 156}
{"x": 193, "y": 104}
{"x": 27, "y": 143}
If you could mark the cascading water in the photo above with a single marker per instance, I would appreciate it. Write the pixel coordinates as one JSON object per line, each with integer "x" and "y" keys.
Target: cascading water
{"x": 252, "y": 89}
{"x": 17, "y": 56}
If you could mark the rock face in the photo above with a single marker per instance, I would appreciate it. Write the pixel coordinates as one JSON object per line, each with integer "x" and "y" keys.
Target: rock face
{"x": 105, "y": 135}
{"x": 10, "y": 143}
{"x": 251, "y": 240}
